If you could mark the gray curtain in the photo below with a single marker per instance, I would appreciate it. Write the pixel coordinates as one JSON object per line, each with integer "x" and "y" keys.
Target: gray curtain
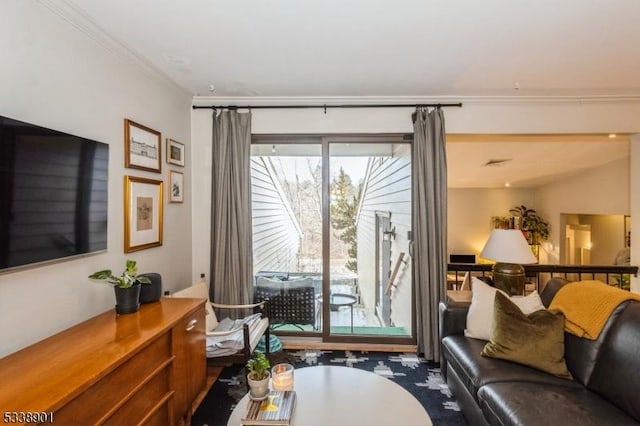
{"x": 231, "y": 253}
{"x": 430, "y": 219}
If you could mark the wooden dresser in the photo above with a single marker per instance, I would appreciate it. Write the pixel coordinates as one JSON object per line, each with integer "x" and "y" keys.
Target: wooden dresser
{"x": 142, "y": 368}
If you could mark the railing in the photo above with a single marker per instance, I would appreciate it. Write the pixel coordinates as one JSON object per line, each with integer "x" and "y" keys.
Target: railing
{"x": 540, "y": 274}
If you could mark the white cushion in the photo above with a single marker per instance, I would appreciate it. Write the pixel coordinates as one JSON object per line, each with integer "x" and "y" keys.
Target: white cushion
{"x": 200, "y": 290}
{"x": 466, "y": 282}
{"x": 480, "y": 314}
{"x": 211, "y": 319}
{"x": 299, "y": 283}
{"x": 268, "y": 283}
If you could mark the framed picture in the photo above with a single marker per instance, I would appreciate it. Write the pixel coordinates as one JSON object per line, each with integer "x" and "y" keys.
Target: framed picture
{"x": 142, "y": 213}
{"x": 176, "y": 187}
{"x": 142, "y": 147}
{"x": 175, "y": 152}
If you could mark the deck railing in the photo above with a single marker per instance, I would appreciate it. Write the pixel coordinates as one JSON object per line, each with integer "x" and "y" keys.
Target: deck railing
{"x": 540, "y": 274}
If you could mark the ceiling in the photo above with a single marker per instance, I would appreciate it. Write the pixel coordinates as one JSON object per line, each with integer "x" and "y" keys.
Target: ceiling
{"x": 532, "y": 161}
{"x": 382, "y": 48}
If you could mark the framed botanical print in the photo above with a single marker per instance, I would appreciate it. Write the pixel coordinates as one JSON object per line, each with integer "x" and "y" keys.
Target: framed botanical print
{"x": 142, "y": 213}
{"x": 142, "y": 147}
{"x": 175, "y": 152}
{"x": 176, "y": 187}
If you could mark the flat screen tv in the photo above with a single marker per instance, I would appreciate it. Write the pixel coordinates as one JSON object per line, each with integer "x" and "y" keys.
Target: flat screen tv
{"x": 53, "y": 194}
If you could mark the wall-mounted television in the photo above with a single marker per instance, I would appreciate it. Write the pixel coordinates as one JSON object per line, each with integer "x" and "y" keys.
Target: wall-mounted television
{"x": 53, "y": 194}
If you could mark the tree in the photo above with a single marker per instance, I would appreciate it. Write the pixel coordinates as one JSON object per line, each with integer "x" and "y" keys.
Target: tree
{"x": 345, "y": 199}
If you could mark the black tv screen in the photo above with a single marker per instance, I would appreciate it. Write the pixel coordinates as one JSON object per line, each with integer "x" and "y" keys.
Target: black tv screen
{"x": 53, "y": 194}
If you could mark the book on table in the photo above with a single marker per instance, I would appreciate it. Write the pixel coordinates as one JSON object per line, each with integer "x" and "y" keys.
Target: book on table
{"x": 275, "y": 409}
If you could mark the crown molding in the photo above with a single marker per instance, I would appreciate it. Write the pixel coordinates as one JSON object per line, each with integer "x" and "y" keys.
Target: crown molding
{"x": 81, "y": 21}
{"x": 409, "y": 100}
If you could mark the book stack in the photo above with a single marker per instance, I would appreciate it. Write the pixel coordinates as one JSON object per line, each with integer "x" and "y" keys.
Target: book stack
{"x": 276, "y": 409}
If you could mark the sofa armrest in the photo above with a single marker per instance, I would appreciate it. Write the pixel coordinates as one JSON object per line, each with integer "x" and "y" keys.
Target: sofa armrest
{"x": 453, "y": 319}
{"x": 550, "y": 290}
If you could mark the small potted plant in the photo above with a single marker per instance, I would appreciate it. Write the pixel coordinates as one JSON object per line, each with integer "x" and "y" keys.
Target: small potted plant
{"x": 258, "y": 377}
{"x": 126, "y": 286}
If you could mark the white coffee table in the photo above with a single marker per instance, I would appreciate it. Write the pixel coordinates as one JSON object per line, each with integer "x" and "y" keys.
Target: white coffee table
{"x": 329, "y": 395}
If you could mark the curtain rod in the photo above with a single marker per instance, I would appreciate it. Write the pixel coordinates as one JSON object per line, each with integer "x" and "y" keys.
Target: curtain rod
{"x": 325, "y": 106}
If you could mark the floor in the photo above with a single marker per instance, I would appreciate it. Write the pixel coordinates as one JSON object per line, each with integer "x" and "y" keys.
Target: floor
{"x": 340, "y": 321}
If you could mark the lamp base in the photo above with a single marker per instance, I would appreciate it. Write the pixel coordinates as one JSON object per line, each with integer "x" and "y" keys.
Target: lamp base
{"x": 509, "y": 277}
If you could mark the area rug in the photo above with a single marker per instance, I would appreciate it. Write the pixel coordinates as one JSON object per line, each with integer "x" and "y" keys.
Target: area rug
{"x": 420, "y": 378}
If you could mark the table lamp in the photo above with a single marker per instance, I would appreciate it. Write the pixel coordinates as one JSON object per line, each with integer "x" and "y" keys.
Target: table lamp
{"x": 509, "y": 249}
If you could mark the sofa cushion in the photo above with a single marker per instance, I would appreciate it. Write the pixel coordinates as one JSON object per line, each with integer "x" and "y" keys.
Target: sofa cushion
{"x": 480, "y": 316}
{"x": 523, "y": 403}
{"x": 474, "y": 370}
{"x": 616, "y": 375}
{"x": 550, "y": 290}
{"x": 581, "y": 354}
{"x": 587, "y": 306}
{"x": 535, "y": 340}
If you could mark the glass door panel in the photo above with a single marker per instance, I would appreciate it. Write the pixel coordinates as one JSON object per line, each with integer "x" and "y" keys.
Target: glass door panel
{"x": 287, "y": 233}
{"x": 370, "y": 280}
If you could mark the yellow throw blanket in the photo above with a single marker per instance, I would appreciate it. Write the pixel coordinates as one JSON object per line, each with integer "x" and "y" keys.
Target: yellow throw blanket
{"x": 587, "y": 305}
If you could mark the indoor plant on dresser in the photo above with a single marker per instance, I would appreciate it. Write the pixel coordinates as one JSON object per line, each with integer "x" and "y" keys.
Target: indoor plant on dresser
{"x": 126, "y": 286}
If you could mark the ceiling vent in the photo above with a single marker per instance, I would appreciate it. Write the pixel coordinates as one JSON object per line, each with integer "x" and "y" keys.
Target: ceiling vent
{"x": 496, "y": 162}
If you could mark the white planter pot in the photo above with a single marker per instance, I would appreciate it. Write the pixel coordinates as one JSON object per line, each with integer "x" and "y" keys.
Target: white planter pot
{"x": 258, "y": 389}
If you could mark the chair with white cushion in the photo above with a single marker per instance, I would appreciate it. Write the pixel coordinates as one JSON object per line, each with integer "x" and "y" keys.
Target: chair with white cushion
{"x": 230, "y": 341}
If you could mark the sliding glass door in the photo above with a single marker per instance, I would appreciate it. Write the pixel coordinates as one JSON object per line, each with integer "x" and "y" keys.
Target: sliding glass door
{"x": 370, "y": 286}
{"x": 334, "y": 214}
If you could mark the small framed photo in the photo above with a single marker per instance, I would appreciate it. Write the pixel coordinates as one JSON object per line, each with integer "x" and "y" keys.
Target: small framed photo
{"x": 175, "y": 152}
{"x": 142, "y": 213}
{"x": 142, "y": 147}
{"x": 176, "y": 187}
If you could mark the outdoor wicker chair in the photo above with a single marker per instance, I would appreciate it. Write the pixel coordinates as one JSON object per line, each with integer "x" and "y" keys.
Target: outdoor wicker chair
{"x": 290, "y": 302}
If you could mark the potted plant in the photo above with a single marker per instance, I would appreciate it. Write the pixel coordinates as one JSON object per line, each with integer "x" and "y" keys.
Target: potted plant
{"x": 258, "y": 376}
{"x": 533, "y": 226}
{"x": 126, "y": 286}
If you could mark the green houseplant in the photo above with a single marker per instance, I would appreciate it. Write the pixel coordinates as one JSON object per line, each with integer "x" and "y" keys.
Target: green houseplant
{"x": 126, "y": 286}
{"x": 258, "y": 376}
{"x": 533, "y": 226}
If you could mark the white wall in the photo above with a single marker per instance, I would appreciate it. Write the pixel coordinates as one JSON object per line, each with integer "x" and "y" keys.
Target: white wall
{"x": 55, "y": 76}
{"x": 603, "y": 190}
{"x": 607, "y": 237}
{"x": 469, "y": 213}
{"x": 488, "y": 115}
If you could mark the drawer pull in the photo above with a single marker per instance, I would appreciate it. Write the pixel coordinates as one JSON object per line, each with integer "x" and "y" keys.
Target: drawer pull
{"x": 191, "y": 325}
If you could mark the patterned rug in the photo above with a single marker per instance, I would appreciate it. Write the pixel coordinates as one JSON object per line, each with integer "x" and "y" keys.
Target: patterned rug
{"x": 420, "y": 378}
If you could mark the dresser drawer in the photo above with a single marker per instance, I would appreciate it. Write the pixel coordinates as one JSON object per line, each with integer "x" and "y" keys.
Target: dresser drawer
{"x": 159, "y": 417}
{"x": 96, "y": 402}
{"x": 154, "y": 393}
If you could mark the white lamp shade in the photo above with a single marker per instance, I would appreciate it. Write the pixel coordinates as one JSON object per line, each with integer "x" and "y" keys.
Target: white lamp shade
{"x": 508, "y": 246}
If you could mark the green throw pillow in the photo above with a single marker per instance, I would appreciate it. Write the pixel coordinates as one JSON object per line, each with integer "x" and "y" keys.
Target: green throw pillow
{"x": 535, "y": 340}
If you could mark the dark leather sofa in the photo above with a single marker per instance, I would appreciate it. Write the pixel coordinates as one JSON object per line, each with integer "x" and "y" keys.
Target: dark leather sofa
{"x": 605, "y": 389}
